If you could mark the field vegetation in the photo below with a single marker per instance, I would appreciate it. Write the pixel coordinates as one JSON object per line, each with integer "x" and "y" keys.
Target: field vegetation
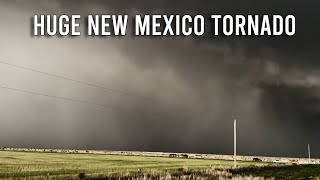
{"x": 36, "y": 165}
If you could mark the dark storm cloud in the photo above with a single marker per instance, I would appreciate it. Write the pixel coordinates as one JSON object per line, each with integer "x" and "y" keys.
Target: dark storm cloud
{"x": 305, "y": 40}
{"x": 197, "y": 85}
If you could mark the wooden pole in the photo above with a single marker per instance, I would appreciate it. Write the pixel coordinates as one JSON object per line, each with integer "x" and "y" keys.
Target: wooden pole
{"x": 235, "y": 143}
{"x": 309, "y": 152}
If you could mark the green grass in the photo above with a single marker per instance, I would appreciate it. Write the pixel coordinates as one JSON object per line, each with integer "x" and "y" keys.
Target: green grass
{"x": 33, "y": 164}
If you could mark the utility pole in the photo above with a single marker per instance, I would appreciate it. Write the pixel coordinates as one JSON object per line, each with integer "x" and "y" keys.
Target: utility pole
{"x": 309, "y": 153}
{"x": 235, "y": 143}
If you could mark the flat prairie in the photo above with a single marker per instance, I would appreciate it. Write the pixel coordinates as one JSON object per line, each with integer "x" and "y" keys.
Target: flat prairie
{"x": 43, "y": 165}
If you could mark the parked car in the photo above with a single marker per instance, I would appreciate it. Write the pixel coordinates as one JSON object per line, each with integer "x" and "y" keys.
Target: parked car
{"x": 172, "y": 155}
{"x": 256, "y": 159}
{"x": 280, "y": 161}
{"x": 294, "y": 162}
{"x": 184, "y": 155}
{"x": 199, "y": 156}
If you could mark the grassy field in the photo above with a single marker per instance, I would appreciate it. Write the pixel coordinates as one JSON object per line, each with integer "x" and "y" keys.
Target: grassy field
{"x": 33, "y": 165}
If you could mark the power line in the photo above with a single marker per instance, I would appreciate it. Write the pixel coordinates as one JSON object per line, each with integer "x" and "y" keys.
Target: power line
{"x": 62, "y": 98}
{"x": 154, "y": 115}
{"x": 77, "y": 81}
{"x": 86, "y": 83}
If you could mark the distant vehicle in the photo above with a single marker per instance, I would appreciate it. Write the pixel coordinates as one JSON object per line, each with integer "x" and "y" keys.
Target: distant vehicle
{"x": 256, "y": 160}
{"x": 280, "y": 161}
{"x": 184, "y": 155}
{"x": 199, "y": 156}
{"x": 172, "y": 155}
{"x": 293, "y": 162}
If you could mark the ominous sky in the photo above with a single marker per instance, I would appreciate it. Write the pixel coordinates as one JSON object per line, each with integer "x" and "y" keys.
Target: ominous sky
{"x": 177, "y": 94}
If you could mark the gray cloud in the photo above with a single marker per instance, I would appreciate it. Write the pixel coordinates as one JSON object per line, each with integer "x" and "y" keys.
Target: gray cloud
{"x": 197, "y": 85}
